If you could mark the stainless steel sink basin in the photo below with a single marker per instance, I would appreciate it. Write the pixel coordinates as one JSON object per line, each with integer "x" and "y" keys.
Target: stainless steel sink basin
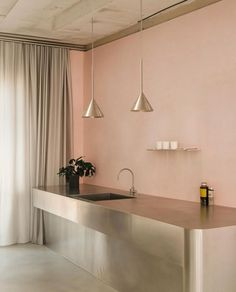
{"x": 103, "y": 197}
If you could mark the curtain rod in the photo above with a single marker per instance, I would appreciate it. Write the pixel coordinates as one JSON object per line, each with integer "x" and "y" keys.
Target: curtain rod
{"x": 37, "y": 41}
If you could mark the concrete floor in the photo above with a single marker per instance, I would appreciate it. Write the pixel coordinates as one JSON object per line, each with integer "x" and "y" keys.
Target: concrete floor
{"x": 33, "y": 268}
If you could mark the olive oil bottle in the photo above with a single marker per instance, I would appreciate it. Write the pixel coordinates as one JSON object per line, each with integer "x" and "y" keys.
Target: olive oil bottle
{"x": 204, "y": 194}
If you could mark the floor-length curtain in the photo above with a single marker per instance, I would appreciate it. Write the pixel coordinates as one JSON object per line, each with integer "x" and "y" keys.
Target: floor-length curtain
{"x": 35, "y": 127}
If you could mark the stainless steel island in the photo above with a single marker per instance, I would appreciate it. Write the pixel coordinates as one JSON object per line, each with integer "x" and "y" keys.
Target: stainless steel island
{"x": 143, "y": 244}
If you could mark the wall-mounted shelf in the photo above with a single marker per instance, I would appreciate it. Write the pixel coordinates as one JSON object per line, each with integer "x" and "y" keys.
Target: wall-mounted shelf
{"x": 186, "y": 149}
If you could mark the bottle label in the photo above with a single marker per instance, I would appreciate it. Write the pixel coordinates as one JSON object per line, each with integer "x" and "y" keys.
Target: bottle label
{"x": 203, "y": 193}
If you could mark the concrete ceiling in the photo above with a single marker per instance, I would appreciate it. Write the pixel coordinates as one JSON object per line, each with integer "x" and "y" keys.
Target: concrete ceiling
{"x": 69, "y": 21}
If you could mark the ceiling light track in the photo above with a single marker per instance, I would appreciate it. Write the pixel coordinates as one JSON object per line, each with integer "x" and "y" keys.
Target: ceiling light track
{"x": 181, "y": 8}
{"x": 165, "y": 9}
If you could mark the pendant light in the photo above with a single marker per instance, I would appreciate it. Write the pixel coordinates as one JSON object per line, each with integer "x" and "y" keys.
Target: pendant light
{"x": 141, "y": 104}
{"x": 93, "y": 110}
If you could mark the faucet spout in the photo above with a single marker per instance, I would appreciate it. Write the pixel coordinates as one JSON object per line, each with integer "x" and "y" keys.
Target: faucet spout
{"x": 132, "y": 190}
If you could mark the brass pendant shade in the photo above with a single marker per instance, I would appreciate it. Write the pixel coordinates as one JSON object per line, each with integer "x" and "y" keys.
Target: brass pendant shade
{"x": 93, "y": 110}
{"x": 141, "y": 104}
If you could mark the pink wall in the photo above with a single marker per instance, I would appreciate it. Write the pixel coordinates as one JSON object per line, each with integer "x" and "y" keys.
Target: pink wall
{"x": 189, "y": 77}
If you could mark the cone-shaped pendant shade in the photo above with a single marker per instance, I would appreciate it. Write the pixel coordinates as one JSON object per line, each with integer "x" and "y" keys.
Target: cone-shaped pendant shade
{"x": 93, "y": 110}
{"x": 142, "y": 104}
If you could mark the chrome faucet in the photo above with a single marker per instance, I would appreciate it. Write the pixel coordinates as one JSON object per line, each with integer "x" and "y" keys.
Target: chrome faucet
{"x": 132, "y": 190}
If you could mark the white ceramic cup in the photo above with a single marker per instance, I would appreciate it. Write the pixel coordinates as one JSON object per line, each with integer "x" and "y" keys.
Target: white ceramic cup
{"x": 174, "y": 145}
{"x": 159, "y": 145}
{"x": 166, "y": 145}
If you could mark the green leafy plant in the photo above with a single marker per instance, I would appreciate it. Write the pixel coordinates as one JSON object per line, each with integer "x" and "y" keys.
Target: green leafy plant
{"x": 77, "y": 167}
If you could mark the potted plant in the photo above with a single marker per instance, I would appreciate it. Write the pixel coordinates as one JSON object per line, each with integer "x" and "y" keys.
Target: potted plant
{"x": 75, "y": 169}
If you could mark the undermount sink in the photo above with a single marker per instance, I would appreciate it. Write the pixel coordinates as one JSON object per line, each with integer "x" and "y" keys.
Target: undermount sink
{"x": 104, "y": 197}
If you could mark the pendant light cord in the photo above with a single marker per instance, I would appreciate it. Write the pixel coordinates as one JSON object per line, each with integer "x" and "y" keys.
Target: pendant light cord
{"x": 141, "y": 46}
{"x": 92, "y": 63}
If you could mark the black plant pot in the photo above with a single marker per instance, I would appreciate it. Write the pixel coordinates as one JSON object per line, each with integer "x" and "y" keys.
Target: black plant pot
{"x": 74, "y": 184}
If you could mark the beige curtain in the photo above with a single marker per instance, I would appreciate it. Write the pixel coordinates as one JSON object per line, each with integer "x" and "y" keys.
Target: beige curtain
{"x": 35, "y": 109}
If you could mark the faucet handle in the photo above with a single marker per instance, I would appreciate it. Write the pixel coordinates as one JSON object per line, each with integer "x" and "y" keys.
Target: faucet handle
{"x": 133, "y": 191}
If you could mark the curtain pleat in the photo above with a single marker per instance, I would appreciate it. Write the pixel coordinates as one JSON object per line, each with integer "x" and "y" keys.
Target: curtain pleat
{"x": 35, "y": 132}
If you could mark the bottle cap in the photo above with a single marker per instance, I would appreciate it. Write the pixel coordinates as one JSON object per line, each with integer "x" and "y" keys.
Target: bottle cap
{"x": 204, "y": 183}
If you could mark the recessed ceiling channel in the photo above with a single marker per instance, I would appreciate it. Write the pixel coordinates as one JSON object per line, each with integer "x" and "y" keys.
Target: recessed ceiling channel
{"x": 67, "y": 22}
